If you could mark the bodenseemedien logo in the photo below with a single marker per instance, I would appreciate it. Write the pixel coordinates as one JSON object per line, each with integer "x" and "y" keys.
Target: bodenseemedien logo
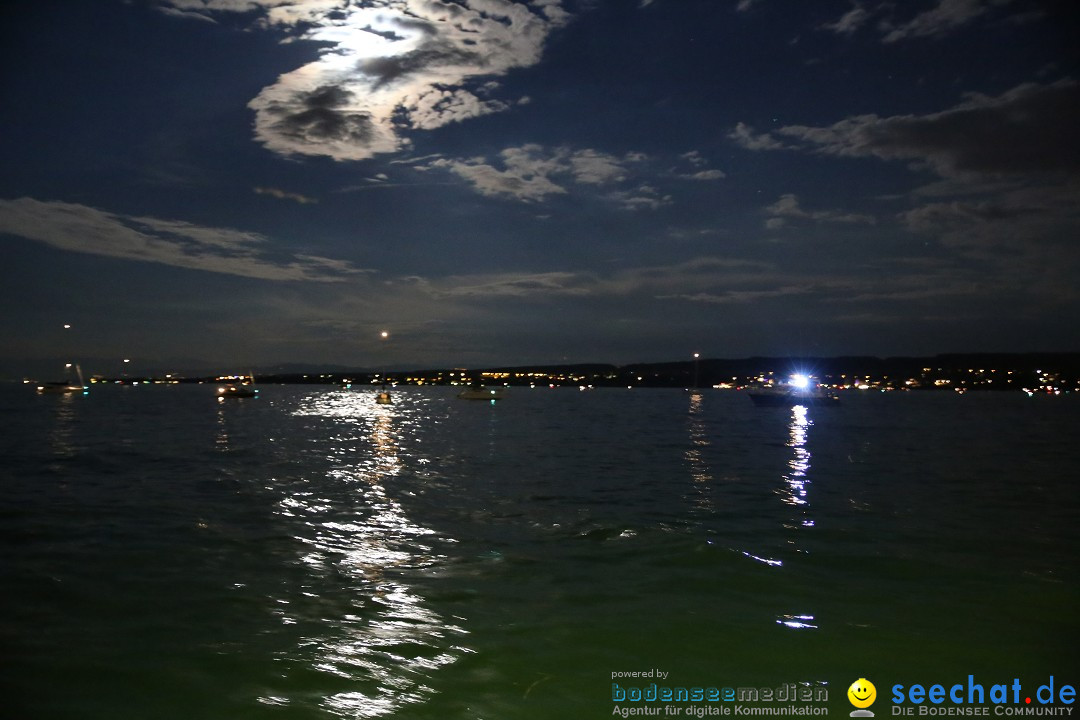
{"x": 862, "y": 695}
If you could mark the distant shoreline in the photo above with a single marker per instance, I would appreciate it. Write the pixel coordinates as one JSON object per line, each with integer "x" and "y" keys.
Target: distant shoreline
{"x": 1032, "y": 372}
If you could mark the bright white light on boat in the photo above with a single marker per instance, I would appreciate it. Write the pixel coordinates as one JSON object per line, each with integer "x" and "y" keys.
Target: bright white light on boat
{"x": 67, "y": 327}
{"x": 767, "y": 561}
{"x": 384, "y": 334}
{"x": 797, "y": 622}
{"x": 800, "y": 381}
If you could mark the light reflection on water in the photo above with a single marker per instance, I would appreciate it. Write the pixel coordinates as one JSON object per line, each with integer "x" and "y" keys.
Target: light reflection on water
{"x": 60, "y": 434}
{"x": 795, "y": 493}
{"x": 796, "y": 479}
{"x": 700, "y": 471}
{"x": 221, "y": 437}
{"x": 392, "y": 652}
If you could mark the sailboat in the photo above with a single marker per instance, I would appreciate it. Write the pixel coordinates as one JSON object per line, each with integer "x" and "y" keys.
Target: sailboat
{"x": 66, "y": 386}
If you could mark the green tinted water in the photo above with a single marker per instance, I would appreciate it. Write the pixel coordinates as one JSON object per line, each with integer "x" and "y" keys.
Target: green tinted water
{"x": 313, "y": 554}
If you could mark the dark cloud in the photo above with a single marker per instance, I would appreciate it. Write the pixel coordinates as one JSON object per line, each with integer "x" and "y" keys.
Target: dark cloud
{"x": 92, "y": 231}
{"x": 1030, "y": 129}
{"x": 432, "y": 55}
{"x": 327, "y": 124}
{"x": 934, "y": 217}
{"x": 547, "y": 284}
{"x": 850, "y": 21}
{"x": 322, "y": 119}
{"x": 939, "y": 20}
{"x": 285, "y": 195}
{"x": 327, "y": 96}
{"x": 411, "y": 24}
{"x": 787, "y": 208}
{"x": 945, "y": 17}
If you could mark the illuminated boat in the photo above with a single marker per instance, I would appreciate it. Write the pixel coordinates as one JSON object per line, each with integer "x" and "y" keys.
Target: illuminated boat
{"x": 237, "y": 390}
{"x": 65, "y": 386}
{"x": 383, "y": 397}
{"x": 243, "y": 389}
{"x": 479, "y": 392}
{"x": 60, "y": 387}
{"x": 798, "y": 390}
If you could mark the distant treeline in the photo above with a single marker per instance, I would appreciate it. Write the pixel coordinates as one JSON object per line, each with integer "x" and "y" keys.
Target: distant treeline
{"x": 1011, "y": 370}
{"x": 984, "y": 371}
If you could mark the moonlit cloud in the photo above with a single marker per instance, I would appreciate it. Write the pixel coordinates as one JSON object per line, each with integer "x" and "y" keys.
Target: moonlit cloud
{"x": 643, "y": 197}
{"x": 595, "y": 168}
{"x": 695, "y": 158}
{"x": 509, "y": 285}
{"x": 177, "y": 13}
{"x": 714, "y": 281}
{"x": 699, "y": 169}
{"x": 787, "y": 208}
{"x": 738, "y": 296}
{"x": 389, "y": 67}
{"x": 945, "y": 16}
{"x": 743, "y": 136}
{"x": 647, "y": 280}
{"x": 850, "y": 21}
{"x": 711, "y": 280}
{"x": 284, "y": 195}
{"x": 532, "y": 173}
{"x": 940, "y": 20}
{"x": 519, "y": 175}
{"x": 706, "y": 175}
{"x": 83, "y": 229}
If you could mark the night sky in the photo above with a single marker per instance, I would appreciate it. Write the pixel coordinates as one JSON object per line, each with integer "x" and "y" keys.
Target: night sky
{"x": 219, "y": 183}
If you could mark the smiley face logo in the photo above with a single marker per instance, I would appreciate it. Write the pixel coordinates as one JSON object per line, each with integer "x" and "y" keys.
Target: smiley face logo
{"x": 862, "y": 693}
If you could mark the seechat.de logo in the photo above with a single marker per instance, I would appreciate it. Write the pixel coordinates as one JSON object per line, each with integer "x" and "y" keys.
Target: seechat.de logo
{"x": 862, "y": 695}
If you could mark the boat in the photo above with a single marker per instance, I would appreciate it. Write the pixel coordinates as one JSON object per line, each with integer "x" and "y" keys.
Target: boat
{"x": 479, "y": 392}
{"x": 798, "y": 390}
{"x": 383, "y": 397}
{"x": 483, "y": 393}
{"x": 66, "y": 386}
{"x": 244, "y": 389}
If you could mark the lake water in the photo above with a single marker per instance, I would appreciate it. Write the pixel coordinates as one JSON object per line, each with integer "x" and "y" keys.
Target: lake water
{"x": 311, "y": 554}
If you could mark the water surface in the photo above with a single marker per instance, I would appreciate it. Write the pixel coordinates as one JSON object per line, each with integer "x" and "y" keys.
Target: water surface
{"x": 311, "y": 554}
